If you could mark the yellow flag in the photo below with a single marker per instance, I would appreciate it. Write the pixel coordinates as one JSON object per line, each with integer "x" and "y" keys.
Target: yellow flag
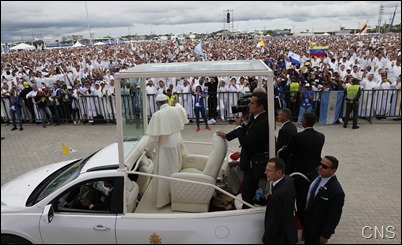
{"x": 261, "y": 43}
{"x": 66, "y": 149}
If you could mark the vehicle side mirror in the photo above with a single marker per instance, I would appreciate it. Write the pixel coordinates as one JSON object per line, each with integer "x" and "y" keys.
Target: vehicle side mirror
{"x": 48, "y": 213}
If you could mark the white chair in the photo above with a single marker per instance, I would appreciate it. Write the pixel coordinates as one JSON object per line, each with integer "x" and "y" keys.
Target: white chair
{"x": 192, "y": 197}
{"x": 146, "y": 165}
{"x": 131, "y": 194}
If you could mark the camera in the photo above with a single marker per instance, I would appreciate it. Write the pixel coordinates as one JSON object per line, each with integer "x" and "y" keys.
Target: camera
{"x": 242, "y": 104}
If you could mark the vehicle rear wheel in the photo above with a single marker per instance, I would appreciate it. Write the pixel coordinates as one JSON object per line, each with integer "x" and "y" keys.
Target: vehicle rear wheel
{"x": 11, "y": 239}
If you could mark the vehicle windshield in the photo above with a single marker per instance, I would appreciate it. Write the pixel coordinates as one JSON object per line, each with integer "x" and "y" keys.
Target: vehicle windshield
{"x": 132, "y": 113}
{"x": 56, "y": 180}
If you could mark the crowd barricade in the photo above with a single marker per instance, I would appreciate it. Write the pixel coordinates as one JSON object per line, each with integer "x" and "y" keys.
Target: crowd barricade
{"x": 92, "y": 109}
{"x": 377, "y": 103}
{"x": 223, "y": 101}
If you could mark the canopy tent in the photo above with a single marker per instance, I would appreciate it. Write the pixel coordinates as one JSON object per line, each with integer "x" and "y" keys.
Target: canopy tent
{"x": 78, "y": 44}
{"x": 99, "y": 43}
{"x": 326, "y": 34}
{"x": 23, "y": 46}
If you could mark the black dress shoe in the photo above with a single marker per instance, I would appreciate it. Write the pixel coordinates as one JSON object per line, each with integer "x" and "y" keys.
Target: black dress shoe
{"x": 21, "y": 129}
{"x": 13, "y": 129}
{"x": 355, "y": 127}
{"x": 344, "y": 126}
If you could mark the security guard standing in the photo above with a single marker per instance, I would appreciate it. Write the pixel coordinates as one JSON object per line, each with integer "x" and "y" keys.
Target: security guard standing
{"x": 352, "y": 95}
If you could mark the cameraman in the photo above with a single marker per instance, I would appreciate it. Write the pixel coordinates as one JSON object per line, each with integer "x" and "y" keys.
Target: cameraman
{"x": 253, "y": 138}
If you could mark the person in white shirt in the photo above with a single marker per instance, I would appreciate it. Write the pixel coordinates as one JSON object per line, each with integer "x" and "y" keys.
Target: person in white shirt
{"x": 165, "y": 146}
{"x": 151, "y": 94}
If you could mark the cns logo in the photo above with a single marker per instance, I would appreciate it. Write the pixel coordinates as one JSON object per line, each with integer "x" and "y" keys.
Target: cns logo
{"x": 378, "y": 232}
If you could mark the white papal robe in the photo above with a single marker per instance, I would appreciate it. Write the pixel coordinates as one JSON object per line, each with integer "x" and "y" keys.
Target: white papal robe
{"x": 164, "y": 135}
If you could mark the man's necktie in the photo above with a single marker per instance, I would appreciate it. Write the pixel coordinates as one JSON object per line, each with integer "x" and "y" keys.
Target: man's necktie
{"x": 313, "y": 191}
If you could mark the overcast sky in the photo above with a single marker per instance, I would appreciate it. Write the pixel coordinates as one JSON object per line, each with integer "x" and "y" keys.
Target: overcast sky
{"x": 36, "y": 20}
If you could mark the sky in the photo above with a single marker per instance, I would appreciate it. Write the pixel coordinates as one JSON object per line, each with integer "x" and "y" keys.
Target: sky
{"x": 37, "y": 20}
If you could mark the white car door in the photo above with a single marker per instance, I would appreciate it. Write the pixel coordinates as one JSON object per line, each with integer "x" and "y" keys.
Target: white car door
{"x": 79, "y": 228}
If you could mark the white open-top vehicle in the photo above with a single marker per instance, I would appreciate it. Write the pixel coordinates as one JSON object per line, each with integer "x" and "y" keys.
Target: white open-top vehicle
{"x": 43, "y": 206}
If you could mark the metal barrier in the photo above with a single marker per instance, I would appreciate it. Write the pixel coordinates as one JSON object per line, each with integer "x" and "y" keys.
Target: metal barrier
{"x": 378, "y": 103}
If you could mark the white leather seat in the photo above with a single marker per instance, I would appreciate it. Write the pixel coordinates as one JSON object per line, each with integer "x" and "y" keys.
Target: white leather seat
{"x": 146, "y": 165}
{"x": 131, "y": 194}
{"x": 192, "y": 197}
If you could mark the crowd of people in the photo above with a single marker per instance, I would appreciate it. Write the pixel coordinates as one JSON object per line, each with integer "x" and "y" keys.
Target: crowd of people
{"x": 73, "y": 75}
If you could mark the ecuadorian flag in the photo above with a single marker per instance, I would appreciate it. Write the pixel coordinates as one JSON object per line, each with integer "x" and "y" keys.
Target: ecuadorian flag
{"x": 318, "y": 51}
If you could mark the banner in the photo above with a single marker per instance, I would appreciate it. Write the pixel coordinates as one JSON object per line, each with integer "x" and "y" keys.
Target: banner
{"x": 330, "y": 107}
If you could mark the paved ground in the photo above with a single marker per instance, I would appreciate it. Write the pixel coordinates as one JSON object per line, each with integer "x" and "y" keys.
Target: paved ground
{"x": 369, "y": 170}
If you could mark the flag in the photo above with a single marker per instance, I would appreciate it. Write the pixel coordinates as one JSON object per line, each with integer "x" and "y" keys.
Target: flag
{"x": 330, "y": 107}
{"x": 261, "y": 43}
{"x": 318, "y": 51}
{"x": 294, "y": 58}
{"x": 66, "y": 149}
{"x": 363, "y": 29}
{"x": 392, "y": 21}
{"x": 198, "y": 49}
{"x": 177, "y": 41}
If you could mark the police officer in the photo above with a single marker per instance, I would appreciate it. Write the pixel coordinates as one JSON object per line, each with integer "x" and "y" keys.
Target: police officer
{"x": 352, "y": 95}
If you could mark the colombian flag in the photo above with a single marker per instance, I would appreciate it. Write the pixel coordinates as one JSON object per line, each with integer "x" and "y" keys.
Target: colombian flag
{"x": 318, "y": 51}
{"x": 363, "y": 29}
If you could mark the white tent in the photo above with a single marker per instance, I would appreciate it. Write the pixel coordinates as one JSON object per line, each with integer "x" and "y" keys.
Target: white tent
{"x": 23, "y": 46}
{"x": 78, "y": 44}
{"x": 99, "y": 43}
{"x": 326, "y": 34}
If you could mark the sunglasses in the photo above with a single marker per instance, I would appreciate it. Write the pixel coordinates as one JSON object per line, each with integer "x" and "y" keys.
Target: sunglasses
{"x": 324, "y": 166}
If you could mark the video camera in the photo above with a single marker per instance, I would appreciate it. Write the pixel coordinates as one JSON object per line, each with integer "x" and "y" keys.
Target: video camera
{"x": 242, "y": 104}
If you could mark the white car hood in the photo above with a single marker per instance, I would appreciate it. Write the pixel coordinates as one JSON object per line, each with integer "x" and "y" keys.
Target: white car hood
{"x": 16, "y": 192}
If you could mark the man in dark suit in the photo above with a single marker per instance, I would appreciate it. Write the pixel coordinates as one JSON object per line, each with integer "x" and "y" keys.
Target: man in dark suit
{"x": 305, "y": 155}
{"x": 323, "y": 204}
{"x": 253, "y": 139}
{"x": 288, "y": 129}
{"x": 280, "y": 222}
{"x": 305, "y": 148}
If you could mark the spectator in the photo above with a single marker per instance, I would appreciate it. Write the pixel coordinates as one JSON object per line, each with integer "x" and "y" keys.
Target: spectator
{"x": 199, "y": 107}
{"x": 15, "y": 110}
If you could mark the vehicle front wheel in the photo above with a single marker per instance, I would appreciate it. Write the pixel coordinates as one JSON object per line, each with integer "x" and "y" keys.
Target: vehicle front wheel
{"x": 11, "y": 239}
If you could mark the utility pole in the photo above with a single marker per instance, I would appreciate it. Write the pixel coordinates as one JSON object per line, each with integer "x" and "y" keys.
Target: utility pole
{"x": 33, "y": 39}
{"x": 89, "y": 29}
{"x": 19, "y": 29}
{"x": 380, "y": 13}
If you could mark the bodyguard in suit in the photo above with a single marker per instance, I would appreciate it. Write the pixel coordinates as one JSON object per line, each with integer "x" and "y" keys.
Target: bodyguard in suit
{"x": 280, "y": 222}
{"x": 305, "y": 148}
{"x": 287, "y": 130}
{"x": 253, "y": 139}
{"x": 323, "y": 203}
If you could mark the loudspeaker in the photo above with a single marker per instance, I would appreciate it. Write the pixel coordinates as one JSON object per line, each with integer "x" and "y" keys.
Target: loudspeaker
{"x": 228, "y": 18}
